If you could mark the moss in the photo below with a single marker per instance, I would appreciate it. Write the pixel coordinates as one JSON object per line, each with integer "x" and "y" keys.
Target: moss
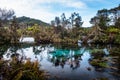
{"x": 103, "y": 64}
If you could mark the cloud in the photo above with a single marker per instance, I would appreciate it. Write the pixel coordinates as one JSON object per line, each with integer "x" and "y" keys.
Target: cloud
{"x": 65, "y": 3}
{"x": 43, "y": 9}
{"x": 86, "y": 20}
{"x": 30, "y": 3}
{"x": 27, "y": 8}
{"x": 76, "y": 4}
{"x": 72, "y": 3}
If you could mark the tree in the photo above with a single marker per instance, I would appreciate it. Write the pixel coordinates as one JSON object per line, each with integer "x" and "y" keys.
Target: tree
{"x": 52, "y": 23}
{"x": 117, "y": 23}
{"x": 115, "y": 12}
{"x": 94, "y": 20}
{"x": 13, "y": 29}
{"x": 57, "y": 21}
{"x": 78, "y": 20}
{"x": 108, "y": 17}
{"x": 74, "y": 20}
{"x": 5, "y": 15}
{"x": 63, "y": 20}
{"x": 96, "y": 30}
{"x": 103, "y": 18}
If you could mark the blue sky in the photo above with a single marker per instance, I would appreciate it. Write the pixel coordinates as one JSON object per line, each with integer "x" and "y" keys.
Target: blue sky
{"x": 46, "y": 10}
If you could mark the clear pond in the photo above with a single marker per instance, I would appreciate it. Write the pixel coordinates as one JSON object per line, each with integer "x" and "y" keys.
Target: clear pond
{"x": 66, "y": 62}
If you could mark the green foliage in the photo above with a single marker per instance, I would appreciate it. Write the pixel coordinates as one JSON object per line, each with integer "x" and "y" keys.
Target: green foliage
{"x": 5, "y": 37}
{"x": 104, "y": 18}
{"x": 97, "y": 53}
{"x": 30, "y": 28}
{"x": 98, "y": 59}
{"x": 113, "y": 30}
{"x": 66, "y": 30}
{"x": 115, "y": 51}
{"x": 117, "y": 40}
{"x": 74, "y": 20}
{"x": 103, "y": 64}
{"x": 97, "y": 62}
{"x": 104, "y": 39}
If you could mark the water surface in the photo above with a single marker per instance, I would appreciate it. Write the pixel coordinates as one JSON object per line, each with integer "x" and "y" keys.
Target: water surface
{"x": 61, "y": 61}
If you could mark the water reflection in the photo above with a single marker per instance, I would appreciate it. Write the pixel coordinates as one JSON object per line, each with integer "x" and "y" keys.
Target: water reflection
{"x": 61, "y": 57}
{"x": 56, "y": 59}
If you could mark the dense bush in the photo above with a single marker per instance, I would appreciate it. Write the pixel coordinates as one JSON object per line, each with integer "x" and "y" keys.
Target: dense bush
{"x": 18, "y": 70}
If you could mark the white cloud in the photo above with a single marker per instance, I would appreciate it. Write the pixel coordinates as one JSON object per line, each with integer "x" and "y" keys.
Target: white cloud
{"x": 67, "y": 3}
{"x": 86, "y": 17}
{"x": 27, "y": 8}
{"x": 76, "y": 4}
{"x": 86, "y": 20}
{"x": 30, "y": 3}
{"x": 33, "y": 8}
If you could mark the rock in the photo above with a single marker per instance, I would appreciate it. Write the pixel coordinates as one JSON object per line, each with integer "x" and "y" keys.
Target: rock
{"x": 99, "y": 69}
{"x": 114, "y": 68}
{"x": 89, "y": 68}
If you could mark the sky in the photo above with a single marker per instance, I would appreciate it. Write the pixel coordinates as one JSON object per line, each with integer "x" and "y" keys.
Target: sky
{"x": 47, "y": 10}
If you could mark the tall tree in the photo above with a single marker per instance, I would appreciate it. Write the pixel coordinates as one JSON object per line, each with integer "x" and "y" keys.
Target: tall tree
{"x": 94, "y": 20}
{"x": 78, "y": 20}
{"x": 5, "y": 15}
{"x": 103, "y": 18}
{"x": 52, "y": 23}
{"x": 13, "y": 28}
{"x": 63, "y": 20}
{"x": 57, "y": 21}
{"x": 74, "y": 20}
{"x": 96, "y": 30}
{"x": 117, "y": 23}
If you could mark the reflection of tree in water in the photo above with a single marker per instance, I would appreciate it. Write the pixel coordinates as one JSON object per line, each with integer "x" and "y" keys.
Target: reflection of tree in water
{"x": 106, "y": 57}
{"x": 12, "y": 51}
{"x": 16, "y": 50}
{"x": 62, "y": 57}
{"x": 37, "y": 51}
{"x": 74, "y": 64}
{"x": 3, "y": 49}
{"x": 115, "y": 55}
{"x": 13, "y": 54}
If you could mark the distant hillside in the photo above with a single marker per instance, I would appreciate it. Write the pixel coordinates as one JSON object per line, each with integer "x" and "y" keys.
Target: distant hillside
{"x": 31, "y": 21}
